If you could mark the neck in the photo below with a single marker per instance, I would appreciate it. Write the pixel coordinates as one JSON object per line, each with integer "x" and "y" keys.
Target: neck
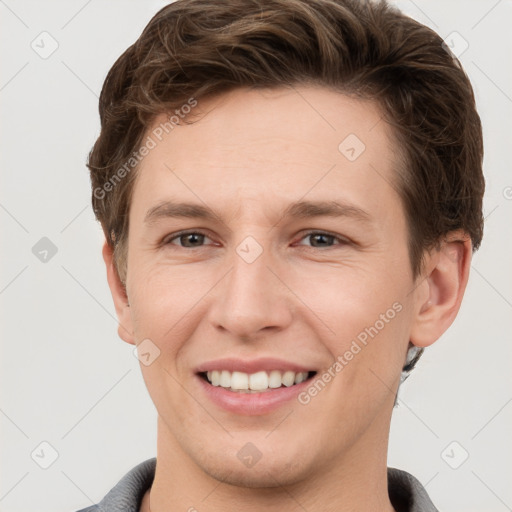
{"x": 357, "y": 481}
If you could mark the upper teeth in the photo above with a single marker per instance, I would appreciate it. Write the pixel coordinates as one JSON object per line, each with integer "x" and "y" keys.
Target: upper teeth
{"x": 258, "y": 381}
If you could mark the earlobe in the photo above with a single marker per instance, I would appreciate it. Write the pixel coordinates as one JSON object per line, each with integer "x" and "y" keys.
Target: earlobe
{"x": 439, "y": 296}
{"x": 119, "y": 295}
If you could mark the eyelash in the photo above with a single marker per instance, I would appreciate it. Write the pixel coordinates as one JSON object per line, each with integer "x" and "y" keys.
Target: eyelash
{"x": 168, "y": 240}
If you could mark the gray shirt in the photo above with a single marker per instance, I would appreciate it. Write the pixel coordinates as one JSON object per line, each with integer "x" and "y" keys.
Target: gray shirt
{"x": 405, "y": 491}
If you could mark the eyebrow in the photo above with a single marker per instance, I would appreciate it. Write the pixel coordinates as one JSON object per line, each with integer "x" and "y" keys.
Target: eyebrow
{"x": 299, "y": 209}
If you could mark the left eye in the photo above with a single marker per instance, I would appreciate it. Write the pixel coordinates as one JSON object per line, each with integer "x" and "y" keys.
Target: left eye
{"x": 322, "y": 239}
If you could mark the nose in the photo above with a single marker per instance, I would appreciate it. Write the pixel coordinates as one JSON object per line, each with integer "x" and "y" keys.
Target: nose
{"x": 252, "y": 299}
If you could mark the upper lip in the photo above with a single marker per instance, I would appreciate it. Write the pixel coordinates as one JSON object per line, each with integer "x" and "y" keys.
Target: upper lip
{"x": 251, "y": 365}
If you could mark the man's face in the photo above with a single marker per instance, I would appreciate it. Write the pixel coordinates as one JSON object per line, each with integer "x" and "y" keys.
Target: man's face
{"x": 265, "y": 285}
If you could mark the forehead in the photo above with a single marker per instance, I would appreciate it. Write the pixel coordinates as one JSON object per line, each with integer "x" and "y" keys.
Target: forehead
{"x": 249, "y": 147}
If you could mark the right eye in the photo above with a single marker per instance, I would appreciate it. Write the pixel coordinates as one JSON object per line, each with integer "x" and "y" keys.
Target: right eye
{"x": 187, "y": 239}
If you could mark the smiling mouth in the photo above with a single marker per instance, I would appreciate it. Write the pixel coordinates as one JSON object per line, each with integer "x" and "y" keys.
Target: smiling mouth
{"x": 259, "y": 382}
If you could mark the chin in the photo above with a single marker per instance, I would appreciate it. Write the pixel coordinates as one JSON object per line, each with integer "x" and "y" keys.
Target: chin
{"x": 272, "y": 470}
{"x": 266, "y": 475}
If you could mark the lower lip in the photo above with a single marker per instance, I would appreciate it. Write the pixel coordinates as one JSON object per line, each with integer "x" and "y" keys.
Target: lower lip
{"x": 251, "y": 404}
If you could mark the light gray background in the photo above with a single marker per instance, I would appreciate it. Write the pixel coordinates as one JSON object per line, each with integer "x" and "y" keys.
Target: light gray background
{"x": 67, "y": 379}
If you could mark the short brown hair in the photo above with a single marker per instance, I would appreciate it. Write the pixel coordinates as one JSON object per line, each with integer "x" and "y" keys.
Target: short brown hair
{"x": 194, "y": 48}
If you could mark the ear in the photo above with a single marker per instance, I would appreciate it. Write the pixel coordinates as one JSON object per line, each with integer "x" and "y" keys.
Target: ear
{"x": 439, "y": 295}
{"x": 120, "y": 297}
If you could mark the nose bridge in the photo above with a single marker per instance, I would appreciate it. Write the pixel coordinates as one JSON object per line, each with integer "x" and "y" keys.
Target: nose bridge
{"x": 251, "y": 298}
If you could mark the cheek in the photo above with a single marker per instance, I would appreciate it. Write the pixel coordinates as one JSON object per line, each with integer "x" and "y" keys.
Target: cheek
{"x": 167, "y": 304}
{"x": 365, "y": 317}
{"x": 347, "y": 299}
{"x": 162, "y": 308}
{"x": 159, "y": 296}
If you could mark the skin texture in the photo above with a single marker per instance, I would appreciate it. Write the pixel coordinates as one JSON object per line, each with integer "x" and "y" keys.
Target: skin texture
{"x": 247, "y": 156}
